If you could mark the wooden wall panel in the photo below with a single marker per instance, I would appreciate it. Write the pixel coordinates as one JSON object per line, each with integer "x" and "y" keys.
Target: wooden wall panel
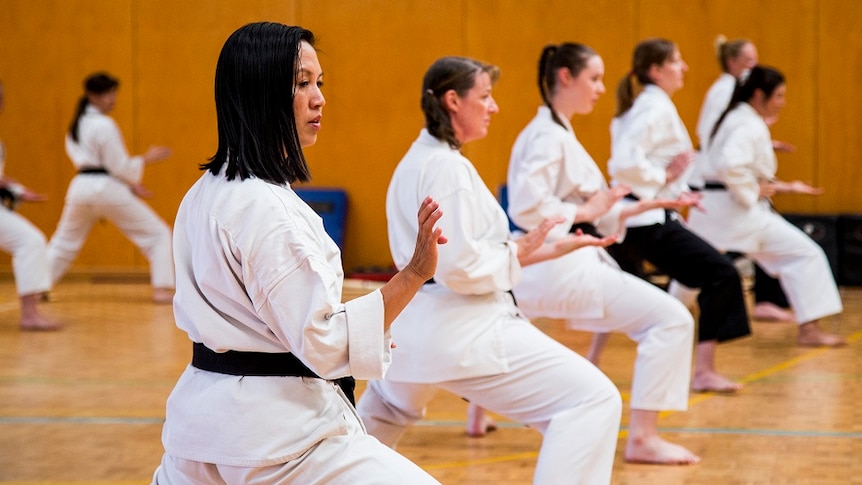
{"x": 175, "y": 59}
{"x": 839, "y": 101}
{"x": 47, "y": 49}
{"x": 374, "y": 53}
{"x": 512, "y": 34}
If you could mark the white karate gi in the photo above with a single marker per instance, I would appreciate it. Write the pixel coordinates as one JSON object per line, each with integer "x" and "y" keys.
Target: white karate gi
{"x": 464, "y": 334}
{"x": 26, "y": 243}
{"x": 257, "y": 272}
{"x": 738, "y": 219}
{"x": 551, "y": 175}
{"x": 94, "y": 196}
{"x": 644, "y": 140}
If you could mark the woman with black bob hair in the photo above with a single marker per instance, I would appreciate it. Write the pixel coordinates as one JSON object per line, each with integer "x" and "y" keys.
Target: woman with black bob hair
{"x": 739, "y": 170}
{"x": 259, "y": 293}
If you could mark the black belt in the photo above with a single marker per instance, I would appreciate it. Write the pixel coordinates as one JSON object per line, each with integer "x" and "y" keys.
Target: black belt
{"x": 667, "y": 212}
{"x": 432, "y": 282}
{"x": 8, "y": 198}
{"x": 585, "y": 228}
{"x": 714, "y": 186}
{"x": 238, "y": 363}
{"x": 93, "y": 170}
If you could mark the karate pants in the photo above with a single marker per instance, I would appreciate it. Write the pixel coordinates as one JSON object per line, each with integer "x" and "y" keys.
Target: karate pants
{"x": 134, "y": 218}
{"x": 801, "y": 266}
{"x": 26, "y": 243}
{"x": 352, "y": 459}
{"x": 662, "y": 326}
{"x": 687, "y": 258}
{"x": 548, "y": 387}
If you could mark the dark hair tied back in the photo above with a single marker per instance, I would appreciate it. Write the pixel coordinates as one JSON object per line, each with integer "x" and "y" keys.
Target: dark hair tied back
{"x": 648, "y": 53}
{"x": 570, "y": 56}
{"x": 761, "y": 78}
{"x": 448, "y": 74}
{"x": 98, "y": 83}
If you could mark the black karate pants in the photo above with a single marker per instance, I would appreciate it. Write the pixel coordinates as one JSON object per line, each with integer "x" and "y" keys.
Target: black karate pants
{"x": 687, "y": 258}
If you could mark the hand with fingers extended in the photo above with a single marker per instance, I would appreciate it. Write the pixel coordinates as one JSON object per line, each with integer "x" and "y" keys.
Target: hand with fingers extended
{"x": 797, "y": 187}
{"x": 535, "y": 239}
{"x": 685, "y": 200}
{"x": 401, "y": 288}
{"x": 601, "y": 202}
{"x": 578, "y": 239}
{"x": 678, "y": 164}
{"x": 424, "y": 260}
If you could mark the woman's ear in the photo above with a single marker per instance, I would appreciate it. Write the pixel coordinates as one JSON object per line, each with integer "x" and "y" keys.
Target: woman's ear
{"x": 564, "y": 76}
{"x": 654, "y": 72}
{"x": 758, "y": 97}
{"x": 451, "y": 101}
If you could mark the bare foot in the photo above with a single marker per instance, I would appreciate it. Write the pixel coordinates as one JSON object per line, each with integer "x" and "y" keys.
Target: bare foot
{"x": 810, "y": 335}
{"x": 478, "y": 422}
{"x": 710, "y": 381}
{"x": 770, "y": 312}
{"x": 39, "y": 323}
{"x": 657, "y": 451}
{"x": 163, "y": 295}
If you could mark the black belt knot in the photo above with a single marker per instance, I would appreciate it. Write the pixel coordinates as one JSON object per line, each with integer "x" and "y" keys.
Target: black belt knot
{"x": 239, "y": 363}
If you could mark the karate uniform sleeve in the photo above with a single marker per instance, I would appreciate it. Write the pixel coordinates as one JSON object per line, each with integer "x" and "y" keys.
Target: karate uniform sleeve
{"x": 733, "y": 158}
{"x": 478, "y": 258}
{"x": 536, "y": 168}
{"x": 113, "y": 154}
{"x": 294, "y": 278}
{"x": 632, "y": 140}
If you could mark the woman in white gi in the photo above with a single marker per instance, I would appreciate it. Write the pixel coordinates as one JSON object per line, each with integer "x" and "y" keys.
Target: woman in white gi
{"x": 552, "y": 175}
{"x": 736, "y": 58}
{"x": 108, "y": 185}
{"x": 463, "y": 332}
{"x": 26, "y": 243}
{"x": 651, "y": 153}
{"x": 739, "y": 172}
{"x": 267, "y": 399}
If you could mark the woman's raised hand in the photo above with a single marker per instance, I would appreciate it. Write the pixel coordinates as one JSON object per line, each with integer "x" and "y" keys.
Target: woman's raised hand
{"x": 424, "y": 260}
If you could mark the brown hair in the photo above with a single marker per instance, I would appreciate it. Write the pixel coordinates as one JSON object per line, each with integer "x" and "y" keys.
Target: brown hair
{"x": 570, "y": 56}
{"x": 445, "y": 74}
{"x": 647, "y": 53}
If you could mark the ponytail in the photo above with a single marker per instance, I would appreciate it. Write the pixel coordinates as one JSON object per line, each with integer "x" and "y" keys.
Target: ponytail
{"x": 449, "y": 74}
{"x": 648, "y": 53}
{"x": 763, "y": 78}
{"x": 546, "y": 72}
{"x": 570, "y": 56}
{"x": 625, "y": 95}
{"x": 98, "y": 83}
{"x": 79, "y": 111}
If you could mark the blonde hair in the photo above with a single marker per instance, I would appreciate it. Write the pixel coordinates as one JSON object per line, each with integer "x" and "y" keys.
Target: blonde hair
{"x": 728, "y": 49}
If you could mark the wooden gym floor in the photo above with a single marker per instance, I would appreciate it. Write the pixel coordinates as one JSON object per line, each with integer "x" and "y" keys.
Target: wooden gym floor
{"x": 85, "y": 405}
